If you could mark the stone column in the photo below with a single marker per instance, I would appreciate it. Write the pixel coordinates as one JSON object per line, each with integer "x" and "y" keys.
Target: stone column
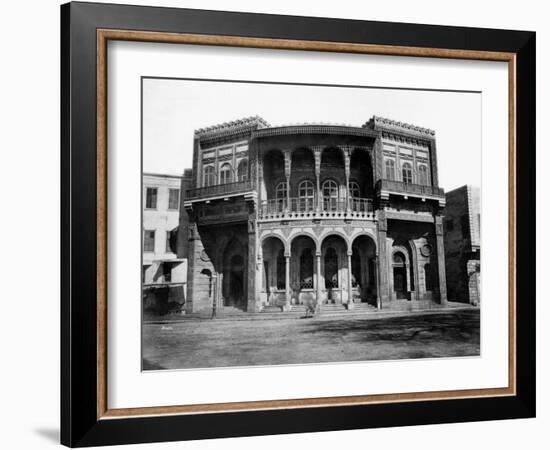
{"x": 317, "y": 154}
{"x": 441, "y": 259}
{"x": 253, "y": 294}
{"x": 319, "y": 293}
{"x": 288, "y": 164}
{"x": 350, "y": 294}
{"x": 287, "y": 283}
{"x": 377, "y": 273}
{"x": 347, "y": 152}
{"x": 383, "y": 291}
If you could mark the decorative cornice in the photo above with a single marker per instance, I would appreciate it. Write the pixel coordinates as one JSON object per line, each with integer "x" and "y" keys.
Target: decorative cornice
{"x": 247, "y": 123}
{"x": 313, "y": 129}
{"x": 381, "y": 123}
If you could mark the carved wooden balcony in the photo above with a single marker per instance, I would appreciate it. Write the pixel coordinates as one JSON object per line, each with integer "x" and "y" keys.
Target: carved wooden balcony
{"x": 386, "y": 187}
{"x": 220, "y": 190}
{"x": 298, "y": 208}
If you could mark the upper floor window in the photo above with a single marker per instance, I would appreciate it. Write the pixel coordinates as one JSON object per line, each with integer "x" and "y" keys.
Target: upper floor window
{"x": 306, "y": 194}
{"x": 226, "y": 174}
{"x": 330, "y": 195}
{"x": 151, "y": 198}
{"x": 149, "y": 241}
{"x": 209, "y": 176}
{"x": 422, "y": 174}
{"x": 390, "y": 169}
{"x": 406, "y": 172}
{"x": 305, "y": 189}
{"x": 173, "y": 199}
{"x": 330, "y": 189}
{"x": 354, "y": 190}
{"x": 242, "y": 170}
{"x": 281, "y": 191}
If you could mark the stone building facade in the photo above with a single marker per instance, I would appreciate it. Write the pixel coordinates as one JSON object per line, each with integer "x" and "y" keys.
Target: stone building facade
{"x": 462, "y": 244}
{"x": 314, "y": 215}
{"x": 164, "y": 273}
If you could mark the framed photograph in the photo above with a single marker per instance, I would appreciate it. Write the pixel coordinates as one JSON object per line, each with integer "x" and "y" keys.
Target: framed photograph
{"x": 276, "y": 224}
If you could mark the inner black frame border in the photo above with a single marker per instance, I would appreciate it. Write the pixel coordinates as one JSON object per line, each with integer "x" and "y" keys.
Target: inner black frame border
{"x": 79, "y": 423}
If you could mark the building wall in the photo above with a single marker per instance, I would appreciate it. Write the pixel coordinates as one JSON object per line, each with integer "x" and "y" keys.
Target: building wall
{"x": 462, "y": 244}
{"x": 233, "y": 235}
{"x": 163, "y": 273}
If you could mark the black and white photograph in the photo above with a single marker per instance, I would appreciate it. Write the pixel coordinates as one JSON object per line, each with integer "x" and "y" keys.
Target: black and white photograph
{"x": 297, "y": 224}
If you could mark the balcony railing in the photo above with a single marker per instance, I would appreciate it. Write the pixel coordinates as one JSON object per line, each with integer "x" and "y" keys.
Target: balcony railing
{"x": 409, "y": 188}
{"x": 308, "y": 207}
{"x": 220, "y": 189}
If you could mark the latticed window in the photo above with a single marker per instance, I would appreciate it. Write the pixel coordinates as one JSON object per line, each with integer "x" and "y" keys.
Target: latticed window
{"x": 226, "y": 174}
{"x": 209, "y": 176}
{"x": 354, "y": 190}
{"x": 330, "y": 195}
{"x": 390, "y": 169}
{"x": 422, "y": 175}
{"x": 306, "y": 269}
{"x": 398, "y": 259}
{"x": 242, "y": 170}
{"x": 331, "y": 269}
{"x": 281, "y": 192}
{"x": 407, "y": 173}
{"x": 306, "y": 194}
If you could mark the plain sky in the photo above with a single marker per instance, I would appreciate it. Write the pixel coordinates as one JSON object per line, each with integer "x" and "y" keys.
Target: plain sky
{"x": 173, "y": 109}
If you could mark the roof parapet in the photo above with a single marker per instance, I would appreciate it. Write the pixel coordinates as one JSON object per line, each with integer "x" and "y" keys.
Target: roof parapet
{"x": 382, "y": 123}
{"x": 252, "y": 123}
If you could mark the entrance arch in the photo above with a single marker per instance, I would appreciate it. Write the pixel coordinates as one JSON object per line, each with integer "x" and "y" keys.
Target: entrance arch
{"x": 234, "y": 275}
{"x": 335, "y": 270}
{"x": 364, "y": 269}
{"x": 274, "y": 273}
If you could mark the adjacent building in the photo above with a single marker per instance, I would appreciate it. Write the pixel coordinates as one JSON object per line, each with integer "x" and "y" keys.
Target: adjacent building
{"x": 164, "y": 274}
{"x": 313, "y": 214}
{"x": 462, "y": 244}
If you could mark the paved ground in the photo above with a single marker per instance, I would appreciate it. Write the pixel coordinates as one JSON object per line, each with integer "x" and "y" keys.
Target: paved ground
{"x": 218, "y": 343}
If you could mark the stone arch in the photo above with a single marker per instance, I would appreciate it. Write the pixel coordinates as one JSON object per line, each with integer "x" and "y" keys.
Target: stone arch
{"x": 400, "y": 271}
{"x": 280, "y": 237}
{"x": 309, "y": 234}
{"x": 273, "y": 171}
{"x": 234, "y": 272}
{"x": 335, "y": 272}
{"x": 364, "y": 267}
{"x": 361, "y": 171}
{"x": 339, "y": 233}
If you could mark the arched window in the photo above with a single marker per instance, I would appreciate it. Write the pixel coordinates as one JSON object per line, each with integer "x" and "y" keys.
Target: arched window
{"x": 330, "y": 195}
{"x": 281, "y": 270}
{"x": 407, "y": 173}
{"x": 281, "y": 191}
{"x": 242, "y": 170}
{"x": 354, "y": 190}
{"x": 422, "y": 175}
{"x": 226, "y": 174}
{"x": 390, "y": 169}
{"x": 331, "y": 269}
{"x": 306, "y": 269}
{"x": 209, "y": 176}
{"x": 398, "y": 259}
{"x": 306, "y": 195}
